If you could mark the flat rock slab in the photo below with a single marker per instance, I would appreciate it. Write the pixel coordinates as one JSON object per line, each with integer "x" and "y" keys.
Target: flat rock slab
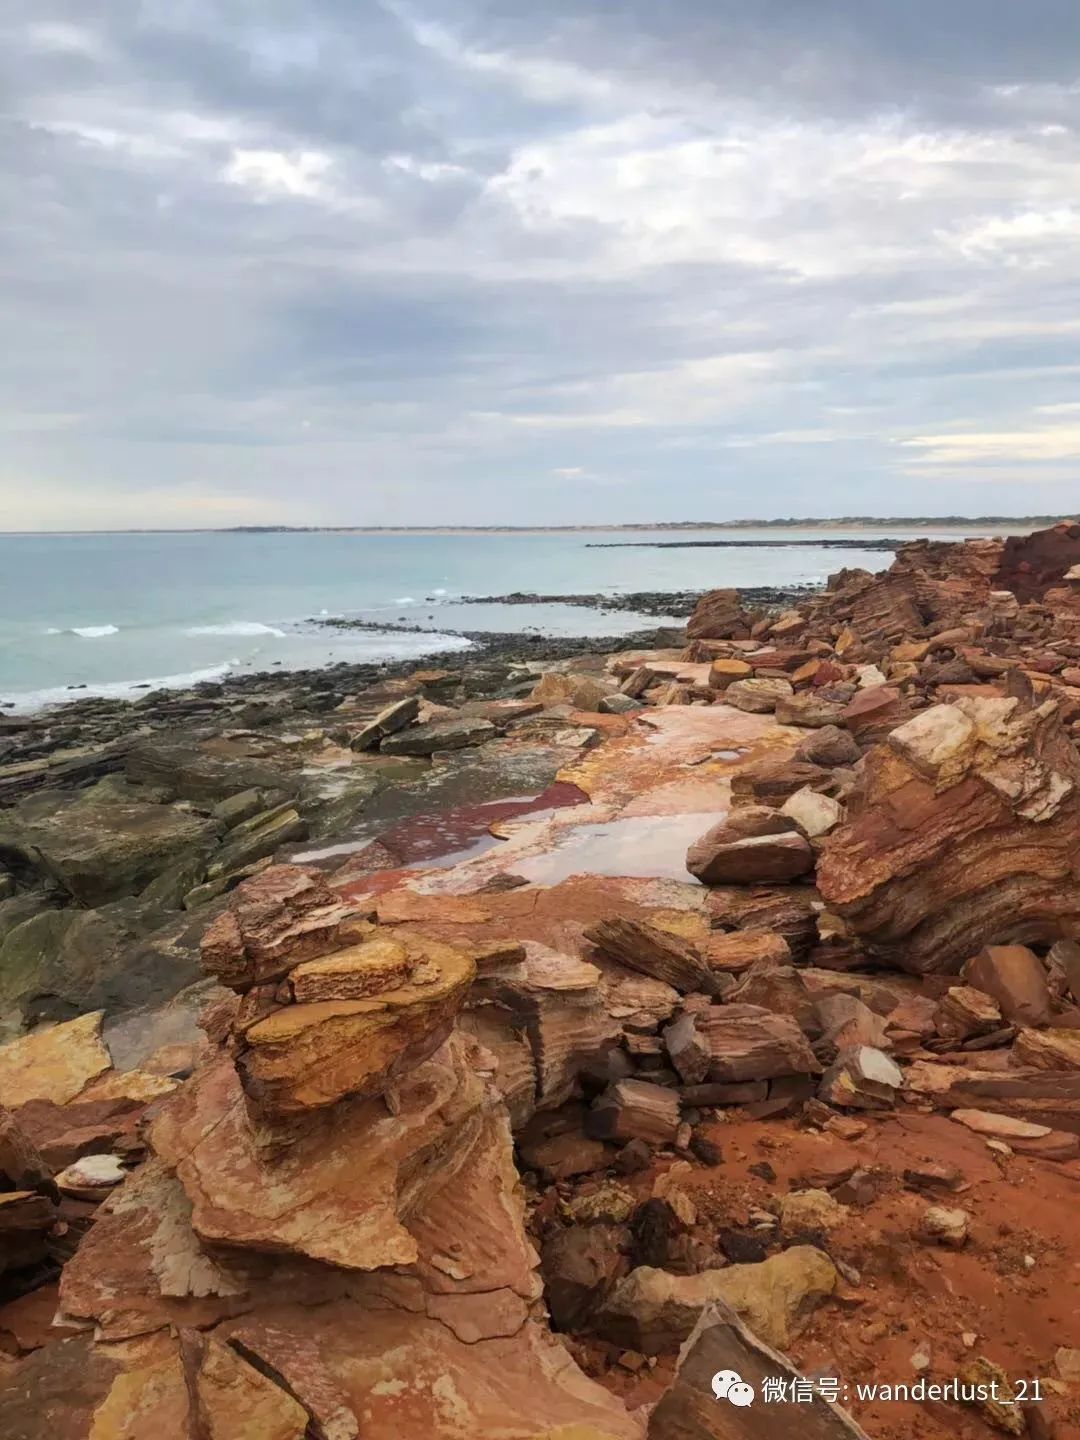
{"x": 53, "y": 1064}
{"x": 453, "y": 734}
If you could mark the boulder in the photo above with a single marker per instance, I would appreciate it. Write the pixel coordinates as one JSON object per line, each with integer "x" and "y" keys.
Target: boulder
{"x": 862, "y": 1079}
{"x": 635, "y": 1110}
{"x": 580, "y": 1265}
{"x": 279, "y": 918}
{"x": 726, "y": 671}
{"x": 751, "y": 846}
{"x": 452, "y": 734}
{"x": 654, "y": 1312}
{"x": 830, "y": 746}
{"x": 815, "y": 814}
{"x": 1014, "y": 976}
{"x": 759, "y": 696}
{"x": 652, "y": 951}
{"x": 1047, "y": 1049}
{"x": 748, "y": 1042}
{"x": 962, "y": 831}
{"x": 810, "y": 709}
{"x": 963, "y": 1012}
{"x": 718, "y": 615}
{"x": 394, "y": 717}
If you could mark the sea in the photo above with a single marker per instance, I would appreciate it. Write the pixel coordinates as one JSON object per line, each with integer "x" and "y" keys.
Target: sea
{"x": 113, "y": 614}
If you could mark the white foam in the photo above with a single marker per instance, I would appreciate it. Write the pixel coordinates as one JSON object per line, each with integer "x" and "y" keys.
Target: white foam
{"x": 32, "y": 700}
{"x": 237, "y": 627}
{"x": 91, "y": 631}
{"x": 402, "y": 600}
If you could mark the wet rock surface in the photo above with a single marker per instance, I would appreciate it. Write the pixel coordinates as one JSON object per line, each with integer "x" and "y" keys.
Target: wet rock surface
{"x": 435, "y": 1095}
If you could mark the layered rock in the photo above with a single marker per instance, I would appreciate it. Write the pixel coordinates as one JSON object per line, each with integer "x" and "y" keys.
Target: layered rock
{"x": 963, "y": 830}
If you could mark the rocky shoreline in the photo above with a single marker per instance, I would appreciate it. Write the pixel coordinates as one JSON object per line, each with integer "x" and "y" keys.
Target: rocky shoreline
{"x": 507, "y": 1043}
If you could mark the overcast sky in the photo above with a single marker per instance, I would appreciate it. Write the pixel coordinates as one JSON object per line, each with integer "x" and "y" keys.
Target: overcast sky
{"x": 343, "y": 261}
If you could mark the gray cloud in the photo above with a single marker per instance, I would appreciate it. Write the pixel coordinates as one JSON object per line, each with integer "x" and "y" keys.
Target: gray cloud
{"x": 337, "y": 263}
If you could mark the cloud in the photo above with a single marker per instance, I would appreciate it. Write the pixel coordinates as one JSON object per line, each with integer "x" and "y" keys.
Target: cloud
{"x": 341, "y": 263}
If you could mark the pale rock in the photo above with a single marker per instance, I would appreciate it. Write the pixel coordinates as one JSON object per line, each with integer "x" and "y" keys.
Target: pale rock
{"x": 654, "y": 1311}
{"x": 814, "y": 813}
{"x": 54, "y": 1063}
{"x": 945, "y": 1226}
{"x": 862, "y": 1079}
{"x": 802, "y": 1210}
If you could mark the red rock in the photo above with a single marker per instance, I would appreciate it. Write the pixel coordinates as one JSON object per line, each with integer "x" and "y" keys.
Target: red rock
{"x": 750, "y": 1043}
{"x": 962, "y": 830}
{"x": 1014, "y": 976}
{"x": 750, "y": 846}
{"x": 718, "y": 615}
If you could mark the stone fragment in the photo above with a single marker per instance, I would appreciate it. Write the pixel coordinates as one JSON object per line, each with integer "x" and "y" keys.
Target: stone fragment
{"x": 635, "y": 1110}
{"x": 92, "y": 1177}
{"x": 739, "y": 950}
{"x": 1001, "y": 1127}
{"x": 811, "y": 709}
{"x": 1047, "y": 1049}
{"x": 750, "y": 846}
{"x": 1014, "y": 976}
{"x": 861, "y": 1079}
{"x": 815, "y": 814}
{"x": 759, "y": 696}
{"x": 993, "y": 1395}
{"x": 830, "y": 746}
{"x": 352, "y": 974}
{"x": 1065, "y": 955}
{"x": 655, "y": 952}
{"x": 781, "y": 989}
{"x": 55, "y": 1063}
{"x": 846, "y": 1022}
{"x": 962, "y": 829}
{"x": 932, "y": 1177}
{"x": 964, "y": 1011}
{"x": 769, "y": 783}
{"x": 748, "y": 1042}
{"x": 725, "y": 671}
{"x": 654, "y": 1312}
{"x": 453, "y": 734}
{"x": 388, "y": 721}
{"x": 945, "y": 1226}
{"x": 580, "y": 1265}
{"x": 721, "y": 1345}
{"x": 803, "y": 1210}
{"x": 687, "y": 1049}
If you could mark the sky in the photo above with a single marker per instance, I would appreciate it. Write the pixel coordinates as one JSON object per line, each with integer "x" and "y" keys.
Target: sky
{"x": 441, "y": 261}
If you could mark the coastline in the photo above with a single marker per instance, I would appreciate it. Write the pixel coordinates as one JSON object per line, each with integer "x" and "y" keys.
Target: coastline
{"x": 691, "y": 956}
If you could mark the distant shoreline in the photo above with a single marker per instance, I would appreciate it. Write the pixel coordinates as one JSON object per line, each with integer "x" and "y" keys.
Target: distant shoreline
{"x": 825, "y": 524}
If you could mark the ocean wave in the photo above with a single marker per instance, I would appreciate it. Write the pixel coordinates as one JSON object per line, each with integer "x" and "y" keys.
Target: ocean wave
{"x": 31, "y": 700}
{"x": 237, "y": 627}
{"x": 406, "y": 600}
{"x": 86, "y": 632}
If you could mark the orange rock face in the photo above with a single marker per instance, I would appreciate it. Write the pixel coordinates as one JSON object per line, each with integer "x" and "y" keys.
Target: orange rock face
{"x": 963, "y": 830}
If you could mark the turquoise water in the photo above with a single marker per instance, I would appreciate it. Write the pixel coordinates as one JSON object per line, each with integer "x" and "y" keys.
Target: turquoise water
{"x": 110, "y": 612}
